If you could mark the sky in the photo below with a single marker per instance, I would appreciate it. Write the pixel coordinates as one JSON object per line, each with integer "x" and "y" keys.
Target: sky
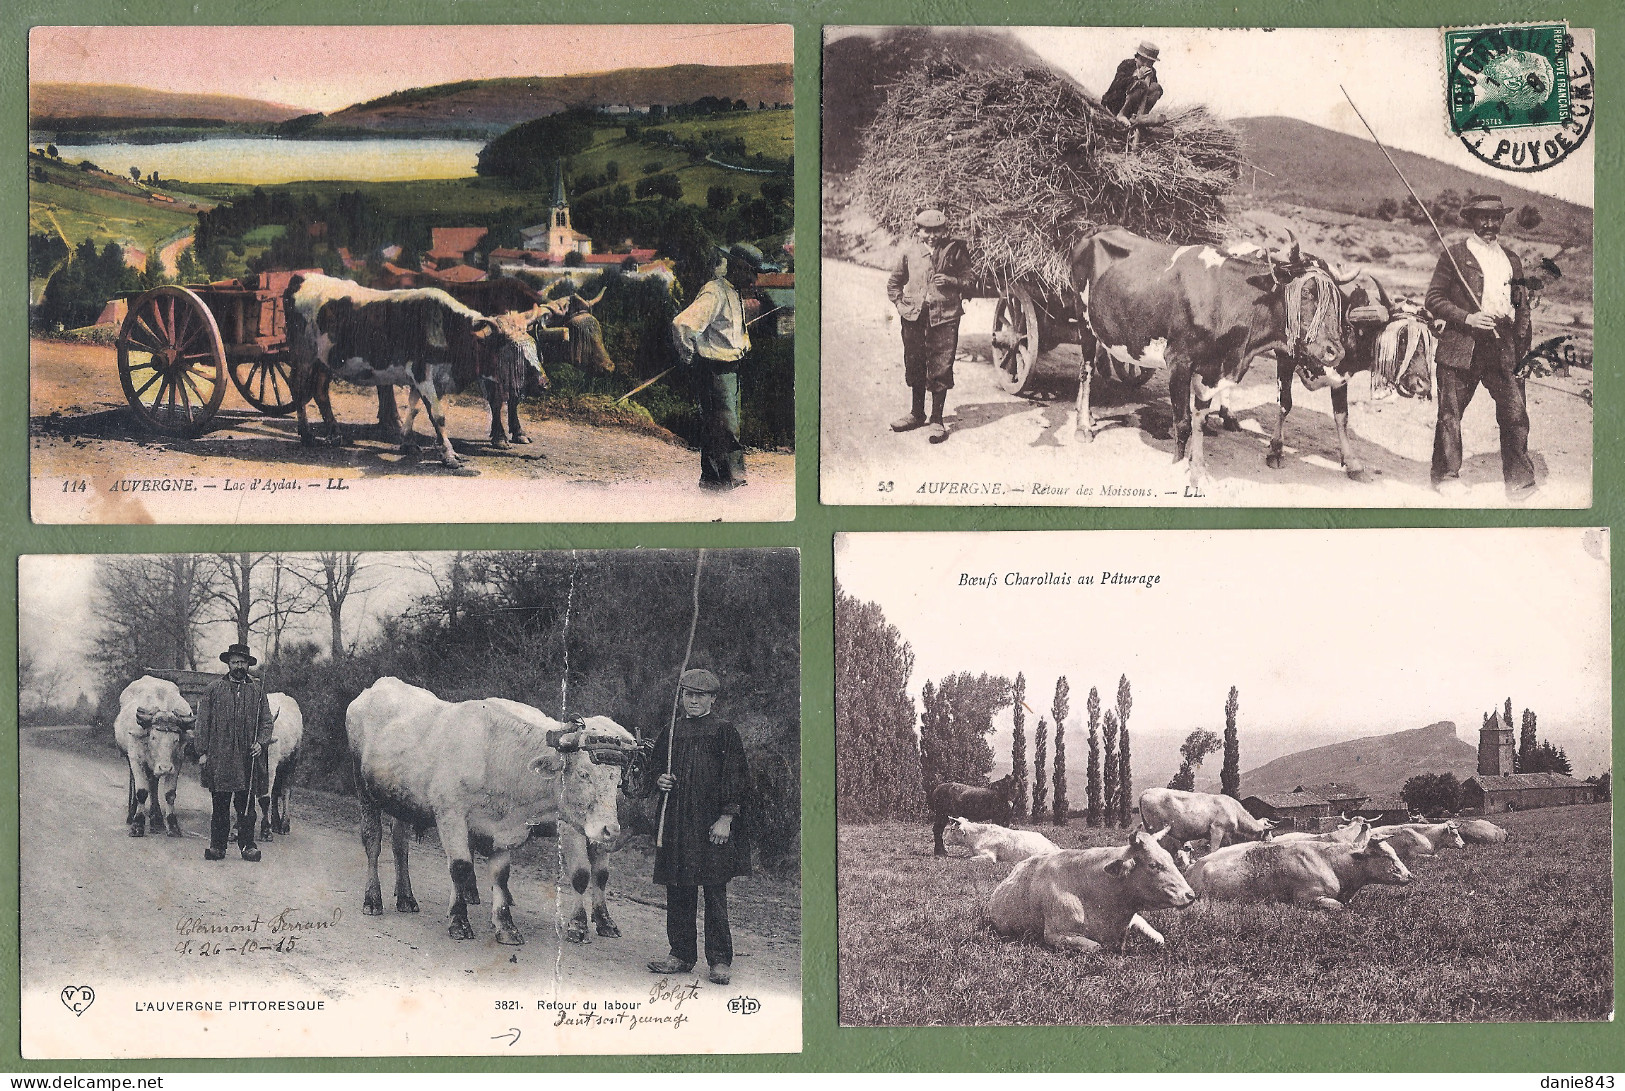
{"x": 1348, "y": 633}
{"x": 318, "y": 68}
{"x": 1395, "y": 76}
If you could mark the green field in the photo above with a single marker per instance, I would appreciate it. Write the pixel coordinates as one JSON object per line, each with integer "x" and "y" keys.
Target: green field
{"x": 1517, "y": 931}
{"x": 102, "y": 207}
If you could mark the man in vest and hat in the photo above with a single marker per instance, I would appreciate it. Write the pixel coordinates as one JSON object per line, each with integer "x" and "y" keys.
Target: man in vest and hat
{"x": 1134, "y": 90}
{"x": 927, "y": 286}
{"x": 233, "y": 728}
{"x": 712, "y": 340}
{"x": 1479, "y": 292}
{"x": 704, "y": 780}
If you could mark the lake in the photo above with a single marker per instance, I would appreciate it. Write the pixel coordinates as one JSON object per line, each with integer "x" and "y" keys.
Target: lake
{"x": 267, "y": 159}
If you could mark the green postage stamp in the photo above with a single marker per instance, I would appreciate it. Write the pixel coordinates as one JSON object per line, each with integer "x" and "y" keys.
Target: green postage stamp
{"x": 1508, "y": 77}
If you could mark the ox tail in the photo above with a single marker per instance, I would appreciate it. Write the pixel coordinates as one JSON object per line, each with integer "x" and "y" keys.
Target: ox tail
{"x": 129, "y": 801}
{"x": 282, "y": 776}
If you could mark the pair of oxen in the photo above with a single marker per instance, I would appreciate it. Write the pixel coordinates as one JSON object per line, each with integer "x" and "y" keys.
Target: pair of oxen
{"x": 1205, "y": 314}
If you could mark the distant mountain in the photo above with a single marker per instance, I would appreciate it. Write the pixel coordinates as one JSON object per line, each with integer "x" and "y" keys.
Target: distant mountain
{"x": 54, "y": 102}
{"x": 1377, "y": 764}
{"x": 1322, "y": 168}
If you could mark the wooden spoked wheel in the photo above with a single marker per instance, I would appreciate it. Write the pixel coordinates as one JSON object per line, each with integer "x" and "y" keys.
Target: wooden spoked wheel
{"x": 266, "y": 383}
{"x": 1015, "y": 339}
{"x": 171, "y": 362}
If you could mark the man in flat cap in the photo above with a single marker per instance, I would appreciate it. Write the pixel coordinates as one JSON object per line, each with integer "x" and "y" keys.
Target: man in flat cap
{"x": 233, "y": 728}
{"x": 1134, "y": 90}
{"x": 1479, "y": 292}
{"x": 711, "y": 341}
{"x": 927, "y": 287}
{"x": 704, "y": 780}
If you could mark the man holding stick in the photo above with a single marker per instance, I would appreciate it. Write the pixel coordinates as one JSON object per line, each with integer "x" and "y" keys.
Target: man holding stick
{"x": 232, "y": 730}
{"x": 712, "y": 339}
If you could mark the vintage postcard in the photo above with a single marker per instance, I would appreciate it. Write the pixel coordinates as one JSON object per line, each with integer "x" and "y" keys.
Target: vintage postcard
{"x": 429, "y": 804}
{"x": 571, "y": 247}
{"x": 1091, "y": 266}
{"x": 1152, "y": 799}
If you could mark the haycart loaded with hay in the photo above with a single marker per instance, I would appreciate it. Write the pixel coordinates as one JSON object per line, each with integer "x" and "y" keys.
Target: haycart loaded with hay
{"x": 1025, "y": 163}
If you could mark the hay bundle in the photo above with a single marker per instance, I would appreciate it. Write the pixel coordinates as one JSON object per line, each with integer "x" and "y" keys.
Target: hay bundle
{"x": 1024, "y": 163}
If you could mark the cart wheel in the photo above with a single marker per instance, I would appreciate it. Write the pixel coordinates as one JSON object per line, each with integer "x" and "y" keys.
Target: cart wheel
{"x": 266, "y": 384}
{"x": 171, "y": 362}
{"x": 1015, "y": 339}
{"x": 1129, "y": 375}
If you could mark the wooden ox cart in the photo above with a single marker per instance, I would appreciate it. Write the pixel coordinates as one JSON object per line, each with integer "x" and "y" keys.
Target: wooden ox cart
{"x": 1028, "y": 321}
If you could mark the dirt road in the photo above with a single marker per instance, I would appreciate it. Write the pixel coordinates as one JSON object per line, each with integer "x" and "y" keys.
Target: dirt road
{"x": 1025, "y": 448}
{"x": 135, "y": 918}
{"x": 252, "y": 469}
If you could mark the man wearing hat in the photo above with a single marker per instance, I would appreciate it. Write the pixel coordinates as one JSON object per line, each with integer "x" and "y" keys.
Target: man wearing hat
{"x": 927, "y": 287}
{"x": 704, "y": 780}
{"x": 233, "y": 728}
{"x": 1478, "y": 291}
{"x": 711, "y": 340}
{"x": 1134, "y": 90}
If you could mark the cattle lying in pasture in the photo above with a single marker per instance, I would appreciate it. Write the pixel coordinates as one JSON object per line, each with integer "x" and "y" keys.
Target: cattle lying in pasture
{"x": 1086, "y": 899}
{"x": 281, "y": 759}
{"x": 1415, "y": 839}
{"x": 420, "y": 338}
{"x": 489, "y": 774}
{"x": 998, "y": 844}
{"x": 1191, "y": 816}
{"x": 1476, "y": 831}
{"x": 1349, "y": 832}
{"x": 151, "y": 727}
{"x": 950, "y": 799}
{"x": 1307, "y": 873}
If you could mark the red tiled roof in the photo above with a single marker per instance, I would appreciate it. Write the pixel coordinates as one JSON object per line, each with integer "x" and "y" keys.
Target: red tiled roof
{"x": 641, "y": 255}
{"x": 604, "y": 259}
{"x": 454, "y": 242}
{"x": 504, "y": 253}
{"x": 456, "y": 274}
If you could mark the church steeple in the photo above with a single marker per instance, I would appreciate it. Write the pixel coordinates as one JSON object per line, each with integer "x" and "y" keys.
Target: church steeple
{"x": 559, "y": 200}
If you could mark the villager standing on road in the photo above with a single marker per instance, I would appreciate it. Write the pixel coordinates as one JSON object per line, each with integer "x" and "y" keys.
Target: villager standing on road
{"x": 1479, "y": 291}
{"x": 702, "y": 846}
{"x": 1134, "y": 90}
{"x": 233, "y": 728}
{"x": 927, "y": 287}
{"x": 712, "y": 340}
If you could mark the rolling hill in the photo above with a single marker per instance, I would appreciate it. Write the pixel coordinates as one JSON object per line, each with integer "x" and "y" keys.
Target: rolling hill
{"x": 49, "y": 103}
{"x": 1378, "y": 764}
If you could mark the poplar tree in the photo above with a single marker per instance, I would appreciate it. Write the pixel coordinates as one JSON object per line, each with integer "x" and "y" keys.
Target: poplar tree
{"x": 1059, "y": 709}
{"x": 1040, "y": 769}
{"x": 1109, "y": 770}
{"x": 1526, "y": 743}
{"x": 1094, "y": 756}
{"x": 1018, "y": 744}
{"x": 1125, "y": 776}
{"x": 1230, "y": 772}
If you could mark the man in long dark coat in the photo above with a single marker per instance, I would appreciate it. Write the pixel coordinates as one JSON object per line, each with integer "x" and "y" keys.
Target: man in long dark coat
{"x": 702, "y": 846}
{"x": 233, "y": 728}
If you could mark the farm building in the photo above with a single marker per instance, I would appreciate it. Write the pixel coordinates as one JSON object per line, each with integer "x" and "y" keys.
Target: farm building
{"x": 1298, "y": 810}
{"x": 1382, "y": 810}
{"x": 1526, "y": 791}
{"x": 1343, "y": 798}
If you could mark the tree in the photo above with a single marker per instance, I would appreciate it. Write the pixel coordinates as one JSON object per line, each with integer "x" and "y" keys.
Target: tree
{"x": 1413, "y": 211}
{"x": 1526, "y": 743}
{"x": 574, "y": 259}
{"x": 335, "y": 577}
{"x": 874, "y": 715}
{"x": 1018, "y": 743}
{"x": 1230, "y": 773}
{"x": 1549, "y": 758}
{"x": 933, "y": 739}
{"x": 1109, "y": 771}
{"x": 1196, "y": 747}
{"x": 1059, "y": 708}
{"x": 1432, "y": 793}
{"x": 1125, "y": 776}
{"x": 1446, "y": 205}
{"x": 612, "y": 171}
{"x": 1040, "y": 770}
{"x": 1529, "y": 217}
{"x": 287, "y": 596}
{"x": 50, "y": 150}
{"x": 526, "y": 153}
{"x": 1387, "y": 209}
{"x": 149, "y": 608}
{"x": 660, "y": 185}
{"x": 135, "y": 173}
{"x": 718, "y": 198}
{"x": 187, "y": 268}
{"x": 1094, "y": 757}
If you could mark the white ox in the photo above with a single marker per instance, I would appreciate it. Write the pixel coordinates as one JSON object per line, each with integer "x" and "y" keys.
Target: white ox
{"x": 281, "y": 758}
{"x": 1306, "y": 873}
{"x": 152, "y": 722}
{"x": 1191, "y": 816}
{"x": 489, "y": 774}
{"x": 999, "y": 844}
{"x": 1348, "y": 833}
{"x": 1414, "y": 839}
{"x": 1086, "y": 899}
{"x": 1479, "y": 832}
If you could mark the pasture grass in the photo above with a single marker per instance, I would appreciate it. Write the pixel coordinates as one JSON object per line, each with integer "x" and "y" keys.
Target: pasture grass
{"x": 1517, "y": 931}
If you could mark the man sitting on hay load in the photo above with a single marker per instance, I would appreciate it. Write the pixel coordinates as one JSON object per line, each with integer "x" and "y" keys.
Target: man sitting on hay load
{"x": 1134, "y": 90}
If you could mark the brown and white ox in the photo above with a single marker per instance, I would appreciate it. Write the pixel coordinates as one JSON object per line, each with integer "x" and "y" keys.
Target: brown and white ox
{"x": 951, "y": 799}
{"x": 1190, "y": 816}
{"x": 420, "y": 338}
{"x": 489, "y": 774}
{"x": 1202, "y": 314}
{"x": 281, "y": 759}
{"x": 151, "y": 727}
{"x": 1307, "y": 873}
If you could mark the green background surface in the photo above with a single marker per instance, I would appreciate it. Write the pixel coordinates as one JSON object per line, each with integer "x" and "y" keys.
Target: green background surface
{"x": 1551, "y": 1048}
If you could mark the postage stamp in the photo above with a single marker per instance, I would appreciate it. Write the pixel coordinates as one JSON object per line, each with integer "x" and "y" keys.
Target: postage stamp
{"x": 1508, "y": 77}
{"x": 571, "y": 247}
{"x": 204, "y": 873}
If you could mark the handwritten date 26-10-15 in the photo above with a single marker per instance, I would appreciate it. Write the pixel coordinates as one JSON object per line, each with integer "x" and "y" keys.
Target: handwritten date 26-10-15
{"x": 249, "y": 946}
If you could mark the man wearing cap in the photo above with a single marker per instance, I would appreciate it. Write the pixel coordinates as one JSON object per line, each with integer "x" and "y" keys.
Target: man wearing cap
{"x": 711, "y": 340}
{"x": 233, "y": 728}
{"x": 927, "y": 287}
{"x": 1478, "y": 291}
{"x": 1134, "y": 90}
{"x": 704, "y": 780}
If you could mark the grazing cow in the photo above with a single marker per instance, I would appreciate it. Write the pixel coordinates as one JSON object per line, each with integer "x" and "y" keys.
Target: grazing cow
{"x": 1414, "y": 839}
{"x": 1202, "y": 314}
{"x": 151, "y": 726}
{"x": 281, "y": 759}
{"x": 489, "y": 774}
{"x": 1086, "y": 899}
{"x": 1194, "y": 815}
{"x": 1000, "y": 845}
{"x": 1476, "y": 831}
{"x": 1349, "y": 832}
{"x": 991, "y": 804}
{"x": 1306, "y": 873}
{"x": 420, "y": 338}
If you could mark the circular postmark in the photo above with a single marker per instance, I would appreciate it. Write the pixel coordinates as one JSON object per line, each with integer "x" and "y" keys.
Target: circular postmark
{"x": 1520, "y": 98}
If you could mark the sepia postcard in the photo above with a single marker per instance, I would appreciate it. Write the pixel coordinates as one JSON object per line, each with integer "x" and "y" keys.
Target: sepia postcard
{"x": 1238, "y": 777}
{"x": 571, "y": 247}
{"x": 1089, "y": 266}
{"x": 586, "y": 763}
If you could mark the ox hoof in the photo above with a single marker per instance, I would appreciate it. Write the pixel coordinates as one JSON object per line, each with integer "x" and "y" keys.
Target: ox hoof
{"x": 1358, "y": 473}
{"x": 499, "y": 443}
{"x": 1083, "y": 435}
{"x": 138, "y": 826}
{"x": 265, "y": 831}
{"x": 283, "y": 828}
{"x": 407, "y": 904}
{"x": 520, "y": 437}
{"x": 606, "y": 927}
{"x": 451, "y": 462}
{"x": 510, "y": 936}
{"x": 1274, "y": 460}
{"x": 372, "y": 906}
{"x": 173, "y": 826}
{"x": 576, "y": 931}
{"x": 460, "y": 929}
{"x": 334, "y": 441}
{"x": 409, "y": 450}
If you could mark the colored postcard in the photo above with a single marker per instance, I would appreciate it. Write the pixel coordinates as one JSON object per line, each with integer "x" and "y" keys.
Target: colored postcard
{"x": 411, "y": 274}
{"x": 429, "y": 804}
{"x": 1152, "y": 799}
{"x": 1085, "y": 266}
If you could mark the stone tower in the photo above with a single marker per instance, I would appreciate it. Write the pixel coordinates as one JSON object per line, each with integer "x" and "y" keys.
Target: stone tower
{"x": 1495, "y": 747}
